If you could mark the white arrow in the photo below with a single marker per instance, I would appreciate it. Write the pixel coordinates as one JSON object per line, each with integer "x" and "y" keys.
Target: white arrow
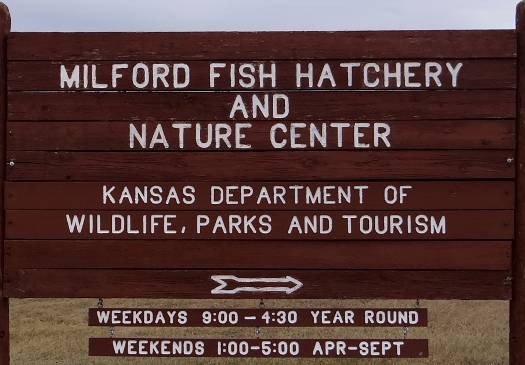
{"x": 240, "y": 284}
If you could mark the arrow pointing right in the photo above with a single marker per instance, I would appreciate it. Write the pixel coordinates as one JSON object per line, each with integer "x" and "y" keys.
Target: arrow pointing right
{"x": 231, "y": 284}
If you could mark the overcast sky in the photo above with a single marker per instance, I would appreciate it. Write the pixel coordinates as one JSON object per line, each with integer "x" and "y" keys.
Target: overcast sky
{"x": 247, "y": 15}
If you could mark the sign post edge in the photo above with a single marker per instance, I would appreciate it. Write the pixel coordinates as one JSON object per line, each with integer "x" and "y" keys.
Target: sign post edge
{"x": 5, "y": 28}
{"x": 517, "y": 303}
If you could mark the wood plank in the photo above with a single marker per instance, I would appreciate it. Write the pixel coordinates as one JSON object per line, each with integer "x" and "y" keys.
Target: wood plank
{"x": 262, "y": 166}
{"x": 261, "y": 45}
{"x": 422, "y": 195}
{"x": 5, "y": 352}
{"x": 517, "y": 304}
{"x": 115, "y": 136}
{"x": 474, "y": 74}
{"x": 369, "y": 255}
{"x": 196, "y": 284}
{"x": 218, "y": 348}
{"x": 274, "y": 225}
{"x": 304, "y": 106}
{"x": 5, "y": 28}
{"x": 255, "y": 317}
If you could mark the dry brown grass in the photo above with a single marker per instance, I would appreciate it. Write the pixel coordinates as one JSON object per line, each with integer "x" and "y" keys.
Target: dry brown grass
{"x": 45, "y": 332}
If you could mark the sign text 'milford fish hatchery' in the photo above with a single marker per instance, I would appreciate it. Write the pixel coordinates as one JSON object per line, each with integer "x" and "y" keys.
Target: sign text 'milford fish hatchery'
{"x": 312, "y": 165}
{"x": 295, "y": 135}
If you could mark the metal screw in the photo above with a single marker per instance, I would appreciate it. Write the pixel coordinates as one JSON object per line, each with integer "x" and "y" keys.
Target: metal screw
{"x": 11, "y": 163}
{"x": 510, "y": 160}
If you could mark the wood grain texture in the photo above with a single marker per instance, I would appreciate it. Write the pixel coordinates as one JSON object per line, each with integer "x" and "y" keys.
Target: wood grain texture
{"x": 197, "y": 284}
{"x": 115, "y": 136}
{"x": 226, "y": 254}
{"x": 261, "y": 45}
{"x": 422, "y": 195}
{"x": 474, "y": 74}
{"x": 472, "y": 224}
{"x": 253, "y": 166}
{"x": 304, "y": 106}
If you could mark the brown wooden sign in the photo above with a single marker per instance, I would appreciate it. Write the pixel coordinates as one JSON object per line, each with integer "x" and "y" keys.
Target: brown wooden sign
{"x": 266, "y": 168}
{"x": 265, "y": 165}
{"x": 261, "y": 317}
{"x": 279, "y": 348}
{"x": 300, "y": 147}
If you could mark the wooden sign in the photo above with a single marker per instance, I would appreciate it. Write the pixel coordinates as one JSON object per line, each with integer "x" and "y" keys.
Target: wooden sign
{"x": 279, "y": 348}
{"x": 262, "y": 317}
{"x": 285, "y": 165}
{"x": 264, "y": 165}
